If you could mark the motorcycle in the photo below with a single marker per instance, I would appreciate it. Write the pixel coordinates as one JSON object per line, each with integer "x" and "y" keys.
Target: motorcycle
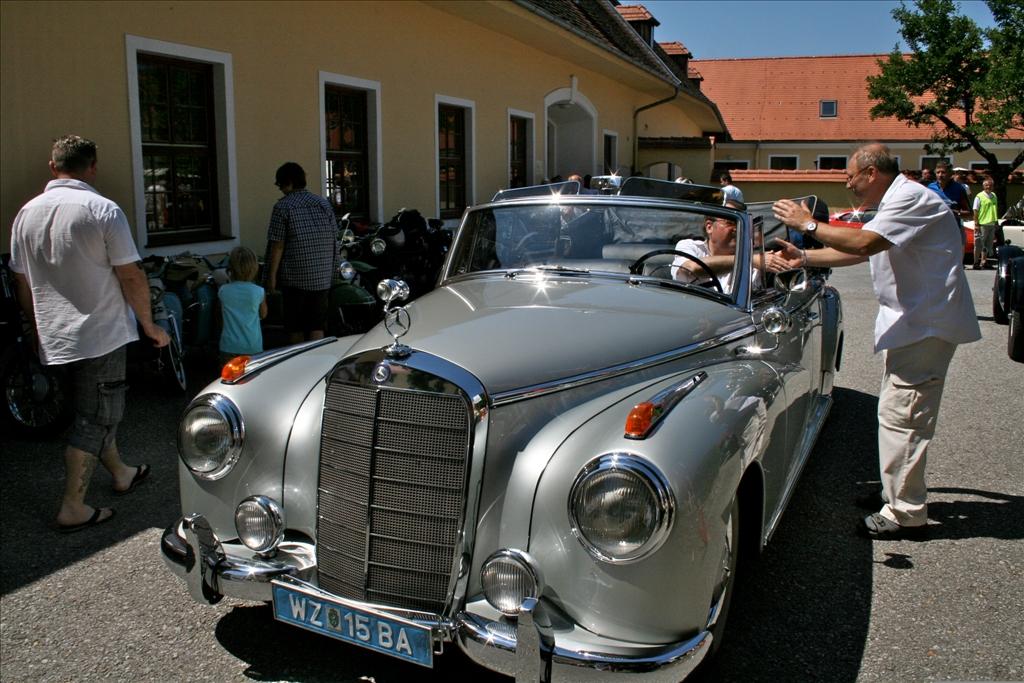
{"x": 407, "y": 247}
{"x": 194, "y": 279}
{"x": 36, "y": 397}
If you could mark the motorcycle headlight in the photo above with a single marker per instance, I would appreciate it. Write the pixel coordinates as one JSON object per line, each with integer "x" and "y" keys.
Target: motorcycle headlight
{"x": 210, "y": 436}
{"x": 509, "y": 577}
{"x": 621, "y": 508}
{"x": 259, "y": 522}
{"x": 377, "y": 246}
{"x": 346, "y": 270}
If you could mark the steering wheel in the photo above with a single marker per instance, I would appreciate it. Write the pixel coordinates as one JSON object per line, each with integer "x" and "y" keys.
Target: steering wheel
{"x": 638, "y": 265}
{"x": 517, "y": 253}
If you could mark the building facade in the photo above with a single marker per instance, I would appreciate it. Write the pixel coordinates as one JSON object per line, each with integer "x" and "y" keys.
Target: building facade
{"x": 386, "y": 105}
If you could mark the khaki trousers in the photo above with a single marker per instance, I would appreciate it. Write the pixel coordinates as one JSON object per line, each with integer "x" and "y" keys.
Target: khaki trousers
{"x": 908, "y": 406}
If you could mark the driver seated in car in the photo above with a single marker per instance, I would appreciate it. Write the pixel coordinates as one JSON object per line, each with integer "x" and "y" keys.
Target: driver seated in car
{"x": 718, "y": 252}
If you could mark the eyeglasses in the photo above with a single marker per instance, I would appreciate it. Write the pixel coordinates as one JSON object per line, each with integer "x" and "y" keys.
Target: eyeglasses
{"x": 849, "y": 178}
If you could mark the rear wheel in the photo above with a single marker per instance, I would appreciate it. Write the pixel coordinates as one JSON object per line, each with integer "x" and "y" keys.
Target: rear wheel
{"x": 1015, "y": 341}
{"x": 36, "y": 397}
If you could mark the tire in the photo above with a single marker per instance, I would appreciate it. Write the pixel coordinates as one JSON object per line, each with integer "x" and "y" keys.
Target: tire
{"x": 998, "y": 313}
{"x": 728, "y": 583}
{"x": 37, "y": 399}
{"x": 175, "y": 368}
{"x": 1015, "y": 340}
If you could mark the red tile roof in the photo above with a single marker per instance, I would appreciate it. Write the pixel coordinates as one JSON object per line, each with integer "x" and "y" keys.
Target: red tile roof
{"x": 757, "y": 175}
{"x": 675, "y": 48}
{"x": 693, "y": 73}
{"x": 636, "y": 13}
{"x": 777, "y": 99}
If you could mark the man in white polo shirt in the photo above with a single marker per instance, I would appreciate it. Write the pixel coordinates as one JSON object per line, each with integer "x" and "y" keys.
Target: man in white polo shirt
{"x": 78, "y": 277}
{"x": 924, "y": 311}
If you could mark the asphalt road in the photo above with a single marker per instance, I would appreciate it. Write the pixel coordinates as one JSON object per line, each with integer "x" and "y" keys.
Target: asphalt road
{"x": 822, "y": 604}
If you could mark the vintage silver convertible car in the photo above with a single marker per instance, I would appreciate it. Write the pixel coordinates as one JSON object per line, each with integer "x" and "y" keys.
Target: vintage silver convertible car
{"x": 553, "y": 460}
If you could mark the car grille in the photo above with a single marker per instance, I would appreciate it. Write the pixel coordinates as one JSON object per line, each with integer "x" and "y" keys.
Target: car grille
{"x": 391, "y": 493}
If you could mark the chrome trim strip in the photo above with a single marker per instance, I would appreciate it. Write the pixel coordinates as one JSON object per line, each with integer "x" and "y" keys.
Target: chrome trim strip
{"x": 513, "y": 395}
{"x": 262, "y": 361}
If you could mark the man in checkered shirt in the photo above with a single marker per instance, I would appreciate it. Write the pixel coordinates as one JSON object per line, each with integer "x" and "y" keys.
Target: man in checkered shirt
{"x": 302, "y": 248}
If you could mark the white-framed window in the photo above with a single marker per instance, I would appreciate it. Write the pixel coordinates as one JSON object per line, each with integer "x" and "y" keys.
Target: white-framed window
{"x": 831, "y": 163}
{"x": 181, "y": 121}
{"x": 520, "y": 148}
{"x": 611, "y": 152}
{"x": 455, "y": 152}
{"x": 828, "y": 109}
{"x": 350, "y": 145}
{"x": 783, "y": 162}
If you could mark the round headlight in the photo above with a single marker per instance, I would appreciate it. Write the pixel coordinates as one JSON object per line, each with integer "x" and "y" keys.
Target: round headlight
{"x": 377, "y": 246}
{"x": 259, "y": 522}
{"x": 347, "y": 235}
{"x": 346, "y": 270}
{"x": 621, "y": 508}
{"x": 210, "y": 436}
{"x": 509, "y": 577}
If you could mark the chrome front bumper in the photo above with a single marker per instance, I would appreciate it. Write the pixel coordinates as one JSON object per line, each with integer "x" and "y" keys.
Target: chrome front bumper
{"x": 527, "y": 648}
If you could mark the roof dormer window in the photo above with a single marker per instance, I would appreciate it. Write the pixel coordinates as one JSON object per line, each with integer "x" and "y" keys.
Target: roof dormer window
{"x": 828, "y": 109}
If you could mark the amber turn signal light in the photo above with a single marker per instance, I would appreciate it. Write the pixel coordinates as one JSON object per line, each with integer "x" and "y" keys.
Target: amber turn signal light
{"x": 234, "y": 368}
{"x": 639, "y": 420}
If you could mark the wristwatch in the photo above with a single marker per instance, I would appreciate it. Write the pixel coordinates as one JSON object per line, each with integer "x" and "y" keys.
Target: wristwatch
{"x": 810, "y": 227}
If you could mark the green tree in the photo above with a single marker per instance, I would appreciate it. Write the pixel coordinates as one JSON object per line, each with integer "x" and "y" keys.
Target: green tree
{"x": 966, "y": 81}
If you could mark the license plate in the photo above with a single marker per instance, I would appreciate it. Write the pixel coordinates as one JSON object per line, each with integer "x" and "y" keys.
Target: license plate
{"x": 356, "y": 625}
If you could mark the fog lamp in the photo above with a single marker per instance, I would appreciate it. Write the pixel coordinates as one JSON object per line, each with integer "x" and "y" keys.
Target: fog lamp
{"x": 509, "y": 577}
{"x": 259, "y": 522}
{"x": 347, "y": 271}
{"x": 377, "y": 246}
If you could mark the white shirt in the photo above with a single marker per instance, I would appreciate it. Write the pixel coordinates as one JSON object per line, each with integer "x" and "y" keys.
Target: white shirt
{"x": 920, "y": 283}
{"x": 698, "y": 248}
{"x": 732, "y": 192}
{"x": 66, "y": 243}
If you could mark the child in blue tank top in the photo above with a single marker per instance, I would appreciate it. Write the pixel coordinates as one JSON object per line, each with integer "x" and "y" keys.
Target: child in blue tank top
{"x": 242, "y": 304}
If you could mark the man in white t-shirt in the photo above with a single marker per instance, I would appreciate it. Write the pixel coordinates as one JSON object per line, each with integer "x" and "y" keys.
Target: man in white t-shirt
{"x": 924, "y": 311}
{"x": 78, "y": 277}
{"x": 731, "y": 192}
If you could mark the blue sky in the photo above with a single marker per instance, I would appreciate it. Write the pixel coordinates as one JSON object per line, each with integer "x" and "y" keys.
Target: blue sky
{"x": 763, "y": 28}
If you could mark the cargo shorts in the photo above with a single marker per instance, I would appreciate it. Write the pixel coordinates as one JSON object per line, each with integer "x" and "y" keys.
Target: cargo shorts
{"x": 100, "y": 390}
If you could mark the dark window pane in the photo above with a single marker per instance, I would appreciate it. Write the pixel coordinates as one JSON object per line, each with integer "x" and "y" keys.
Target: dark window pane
{"x": 179, "y": 150}
{"x": 345, "y": 118}
{"x": 783, "y": 163}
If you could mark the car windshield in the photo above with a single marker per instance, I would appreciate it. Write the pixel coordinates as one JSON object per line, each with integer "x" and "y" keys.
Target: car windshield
{"x": 579, "y": 236}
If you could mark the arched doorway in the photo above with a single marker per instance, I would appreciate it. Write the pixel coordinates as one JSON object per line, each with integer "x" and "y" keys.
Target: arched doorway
{"x": 571, "y": 133}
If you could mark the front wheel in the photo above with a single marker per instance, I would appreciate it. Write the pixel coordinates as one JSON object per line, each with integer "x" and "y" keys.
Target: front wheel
{"x": 723, "y": 599}
{"x": 175, "y": 368}
{"x": 1015, "y": 340}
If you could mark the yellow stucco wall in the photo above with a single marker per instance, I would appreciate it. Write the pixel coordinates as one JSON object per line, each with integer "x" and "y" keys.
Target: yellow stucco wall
{"x": 63, "y": 69}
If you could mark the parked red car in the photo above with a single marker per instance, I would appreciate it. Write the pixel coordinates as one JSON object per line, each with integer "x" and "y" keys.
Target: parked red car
{"x": 856, "y": 218}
